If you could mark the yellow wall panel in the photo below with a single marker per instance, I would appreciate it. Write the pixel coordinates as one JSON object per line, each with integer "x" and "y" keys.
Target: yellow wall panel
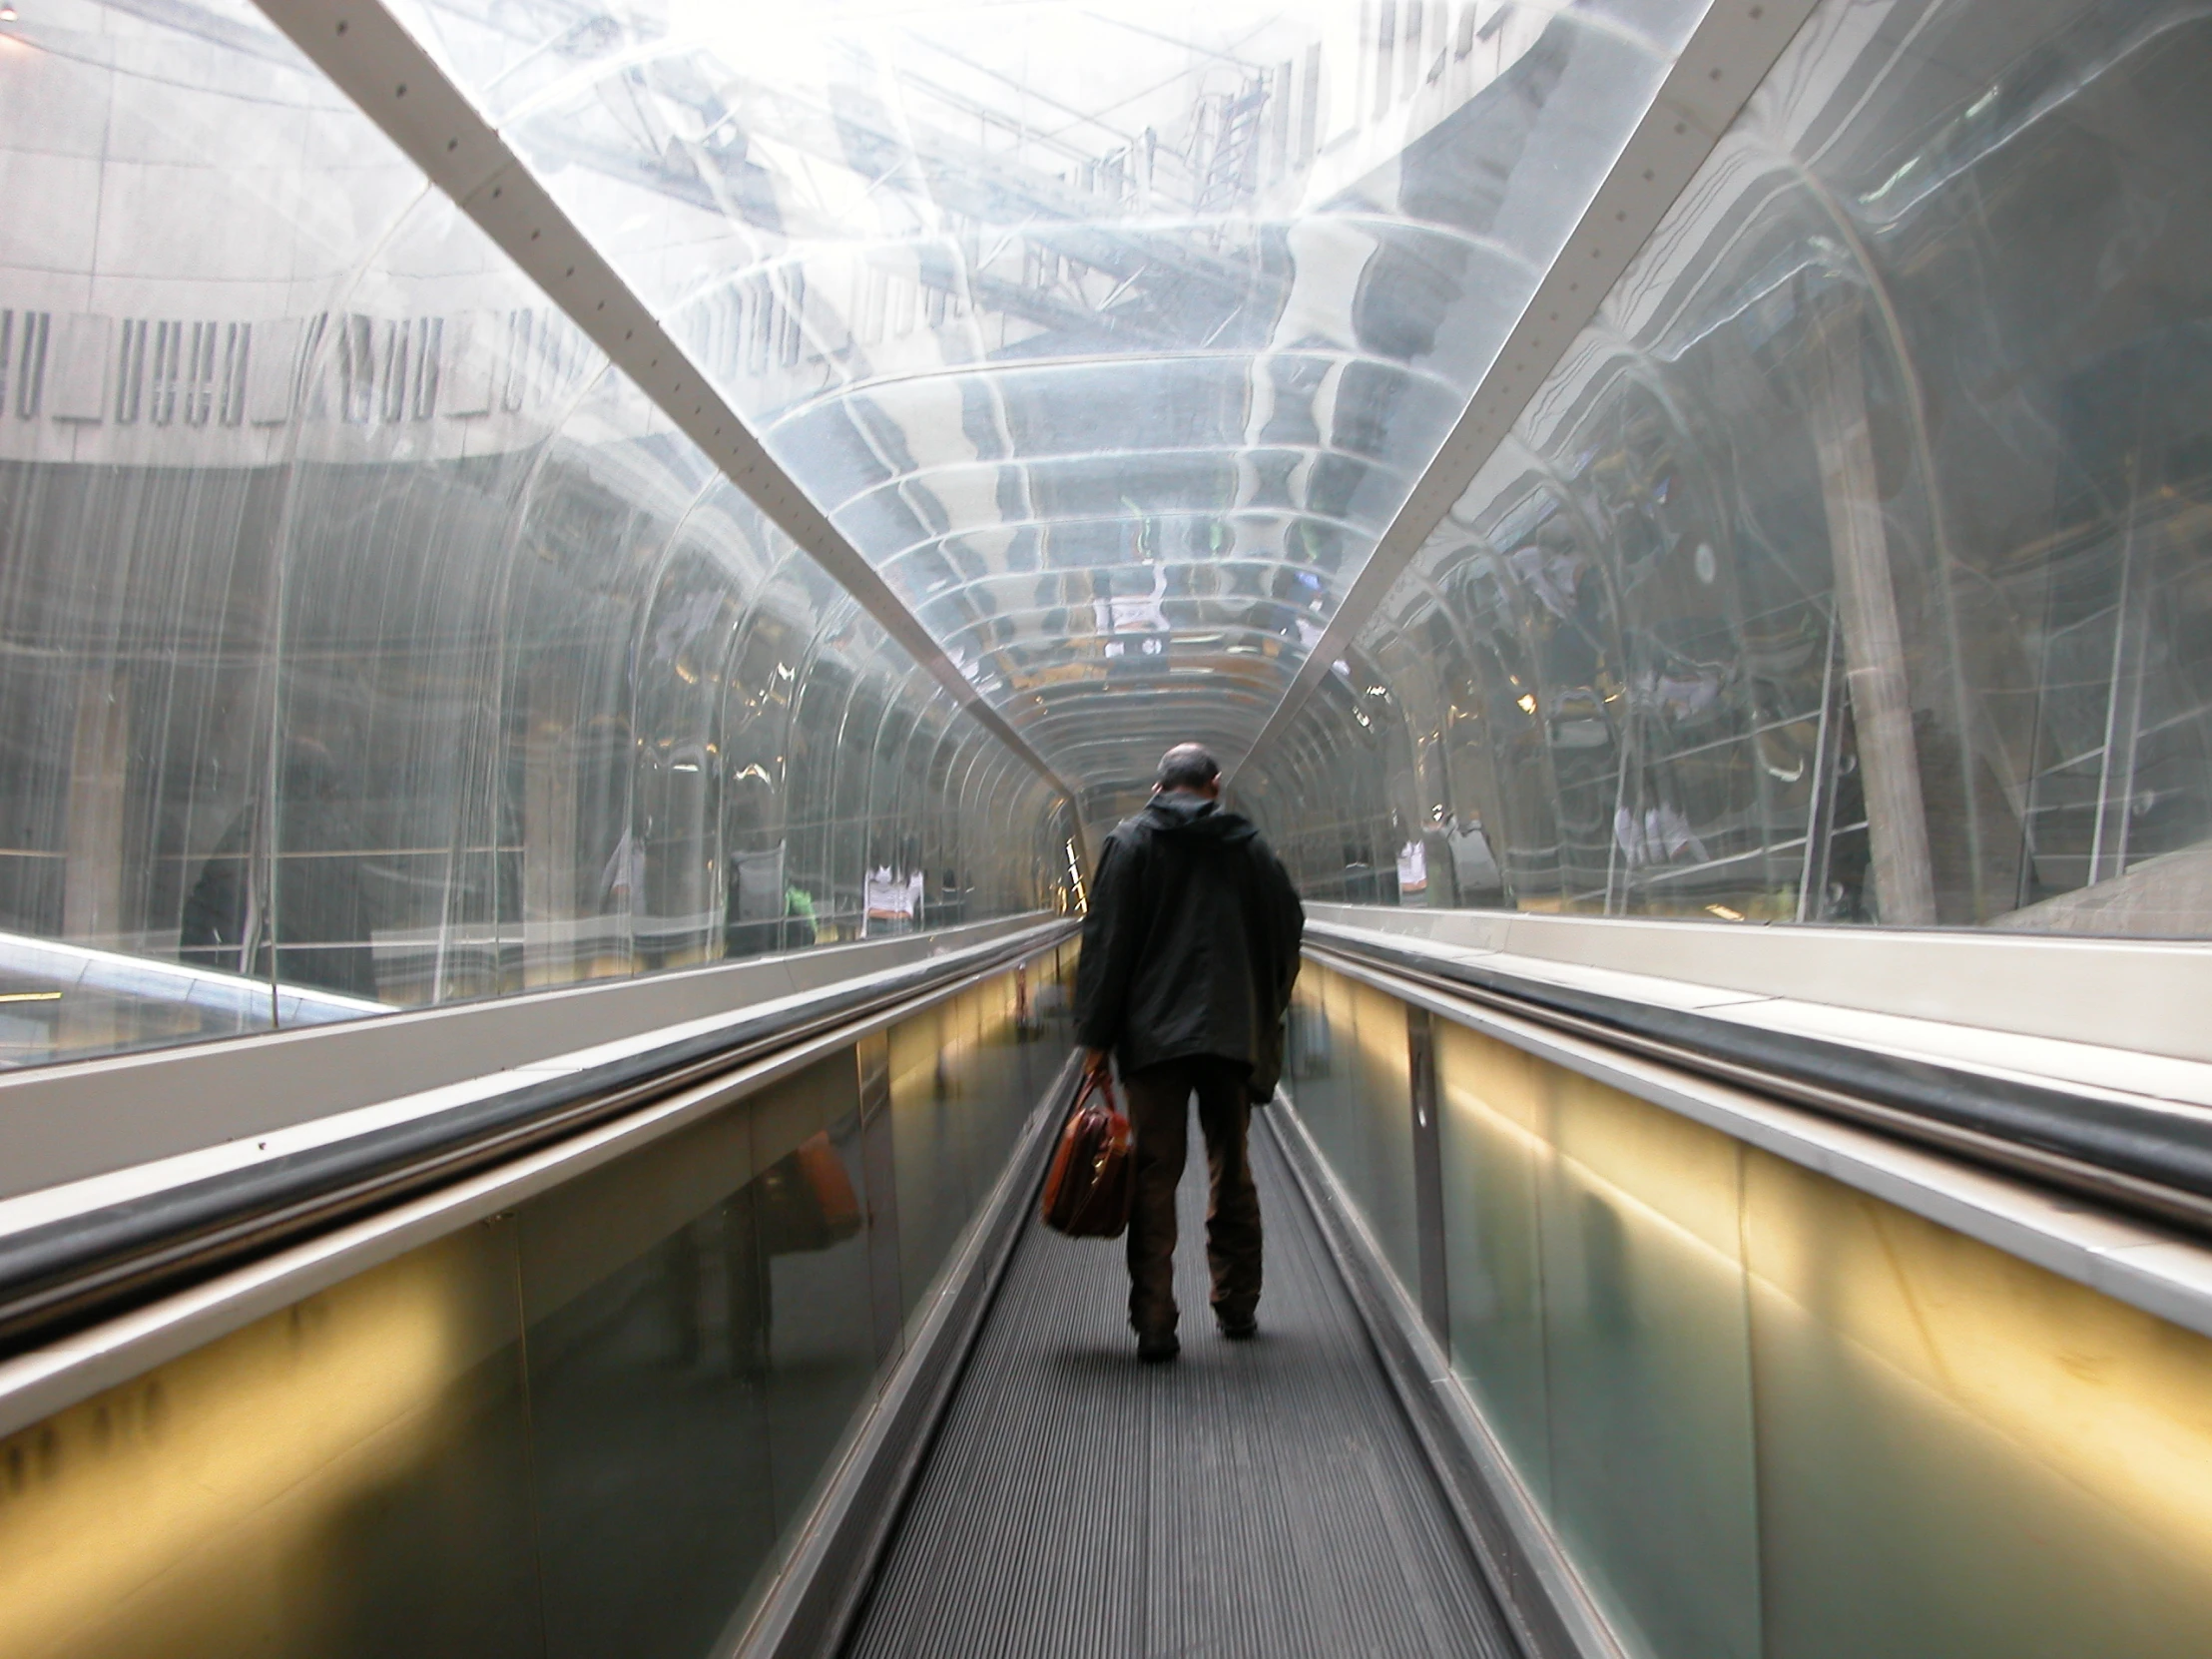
{"x": 1769, "y": 1414}
{"x": 2014, "y": 1462}
{"x": 264, "y": 1495}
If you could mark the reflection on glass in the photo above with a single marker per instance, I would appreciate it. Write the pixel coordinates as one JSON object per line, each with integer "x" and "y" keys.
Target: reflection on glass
{"x": 1653, "y": 1478}
{"x": 962, "y": 1078}
{"x": 2017, "y": 1462}
{"x": 932, "y": 1134}
{"x": 1112, "y": 336}
{"x": 583, "y": 1429}
{"x": 349, "y": 1476}
{"x": 1348, "y": 1058}
{"x": 819, "y": 1326}
{"x": 1849, "y": 568}
{"x": 643, "y": 1289}
{"x": 1768, "y": 1414}
{"x": 369, "y": 642}
{"x": 1493, "y": 1147}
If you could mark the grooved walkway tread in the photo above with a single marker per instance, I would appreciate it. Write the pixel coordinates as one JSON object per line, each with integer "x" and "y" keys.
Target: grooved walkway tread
{"x": 1253, "y": 1499}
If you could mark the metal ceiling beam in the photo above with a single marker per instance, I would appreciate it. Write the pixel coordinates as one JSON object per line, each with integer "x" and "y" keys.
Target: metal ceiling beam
{"x": 1726, "y": 56}
{"x": 401, "y": 87}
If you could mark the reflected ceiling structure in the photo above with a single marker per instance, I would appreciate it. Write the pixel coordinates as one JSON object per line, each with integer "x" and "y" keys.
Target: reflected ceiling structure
{"x": 1113, "y": 337}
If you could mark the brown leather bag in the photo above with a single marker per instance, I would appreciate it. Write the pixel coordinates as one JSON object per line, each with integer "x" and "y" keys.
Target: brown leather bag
{"x": 1087, "y": 1190}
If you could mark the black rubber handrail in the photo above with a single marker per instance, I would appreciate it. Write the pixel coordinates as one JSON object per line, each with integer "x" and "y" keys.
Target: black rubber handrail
{"x": 2150, "y": 1160}
{"x": 67, "y": 1274}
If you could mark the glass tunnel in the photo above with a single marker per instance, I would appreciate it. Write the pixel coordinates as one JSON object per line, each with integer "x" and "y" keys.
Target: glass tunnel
{"x": 584, "y": 582}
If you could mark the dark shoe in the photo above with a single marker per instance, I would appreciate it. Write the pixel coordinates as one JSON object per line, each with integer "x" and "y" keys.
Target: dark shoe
{"x": 1156, "y": 1345}
{"x": 1239, "y": 1331}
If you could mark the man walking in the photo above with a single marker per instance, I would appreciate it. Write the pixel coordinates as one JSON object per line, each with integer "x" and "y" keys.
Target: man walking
{"x": 1189, "y": 951}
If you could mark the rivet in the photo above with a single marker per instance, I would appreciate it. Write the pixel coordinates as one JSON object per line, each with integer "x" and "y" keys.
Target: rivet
{"x": 534, "y": 234}
{"x": 342, "y": 26}
{"x": 572, "y": 271}
{"x": 495, "y": 190}
{"x": 401, "y": 91}
{"x": 1716, "y": 75}
{"x": 452, "y": 144}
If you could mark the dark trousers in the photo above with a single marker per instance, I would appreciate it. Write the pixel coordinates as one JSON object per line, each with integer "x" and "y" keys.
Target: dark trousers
{"x": 1159, "y": 1113}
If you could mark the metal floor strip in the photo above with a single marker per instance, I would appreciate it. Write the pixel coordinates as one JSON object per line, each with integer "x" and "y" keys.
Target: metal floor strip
{"x": 1256, "y": 1498}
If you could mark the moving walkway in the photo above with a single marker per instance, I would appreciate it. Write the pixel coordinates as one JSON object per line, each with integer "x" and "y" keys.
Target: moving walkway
{"x": 737, "y": 1336}
{"x": 579, "y": 584}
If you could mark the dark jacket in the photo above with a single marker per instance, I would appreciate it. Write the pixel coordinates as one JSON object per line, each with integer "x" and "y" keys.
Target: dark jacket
{"x": 1191, "y": 942}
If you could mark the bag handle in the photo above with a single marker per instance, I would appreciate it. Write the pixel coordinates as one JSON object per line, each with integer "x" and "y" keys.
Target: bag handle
{"x": 1095, "y": 1082}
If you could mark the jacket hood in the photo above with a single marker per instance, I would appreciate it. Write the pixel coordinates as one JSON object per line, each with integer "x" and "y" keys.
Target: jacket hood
{"x": 1185, "y": 815}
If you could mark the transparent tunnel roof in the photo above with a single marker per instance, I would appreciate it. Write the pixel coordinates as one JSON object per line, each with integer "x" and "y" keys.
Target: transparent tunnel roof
{"x": 1113, "y": 335}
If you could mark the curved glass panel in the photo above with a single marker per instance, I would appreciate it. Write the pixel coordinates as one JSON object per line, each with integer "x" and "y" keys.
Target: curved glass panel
{"x": 366, "y": 640}
{"x": 1143, "y": 303}
{"x": 1850, "y": 567}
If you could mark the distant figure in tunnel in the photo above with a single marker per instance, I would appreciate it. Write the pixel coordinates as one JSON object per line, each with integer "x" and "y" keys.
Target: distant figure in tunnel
{"x": 1189, "y": 951}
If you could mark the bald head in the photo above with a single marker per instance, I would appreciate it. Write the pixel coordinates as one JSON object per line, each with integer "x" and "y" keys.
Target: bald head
{"x": 1188, "y": 767}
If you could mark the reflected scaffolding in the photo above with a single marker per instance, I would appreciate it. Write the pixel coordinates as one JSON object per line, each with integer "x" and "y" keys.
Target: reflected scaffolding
{"x": 1850, "y": 567}
{"x": 1112, "y": 336}
{"x": 367, "y": 640}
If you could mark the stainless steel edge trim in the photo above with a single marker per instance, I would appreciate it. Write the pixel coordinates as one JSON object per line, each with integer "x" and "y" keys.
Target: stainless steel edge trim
{"x": 2141, "y": 995}
{"x": 73, "y": 1122}
{"x": 2127, "y": 1192}
{"x": 37, "y": 1384}
{"x": 2146, "y": 1266}
{"x": 34, "y": 1385}
{"x": 70, "y": 1268}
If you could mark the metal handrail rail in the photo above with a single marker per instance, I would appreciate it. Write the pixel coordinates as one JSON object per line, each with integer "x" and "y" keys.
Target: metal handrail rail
{"x": 2147, "y": 1161}
{"x": 64, "y": 1275}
